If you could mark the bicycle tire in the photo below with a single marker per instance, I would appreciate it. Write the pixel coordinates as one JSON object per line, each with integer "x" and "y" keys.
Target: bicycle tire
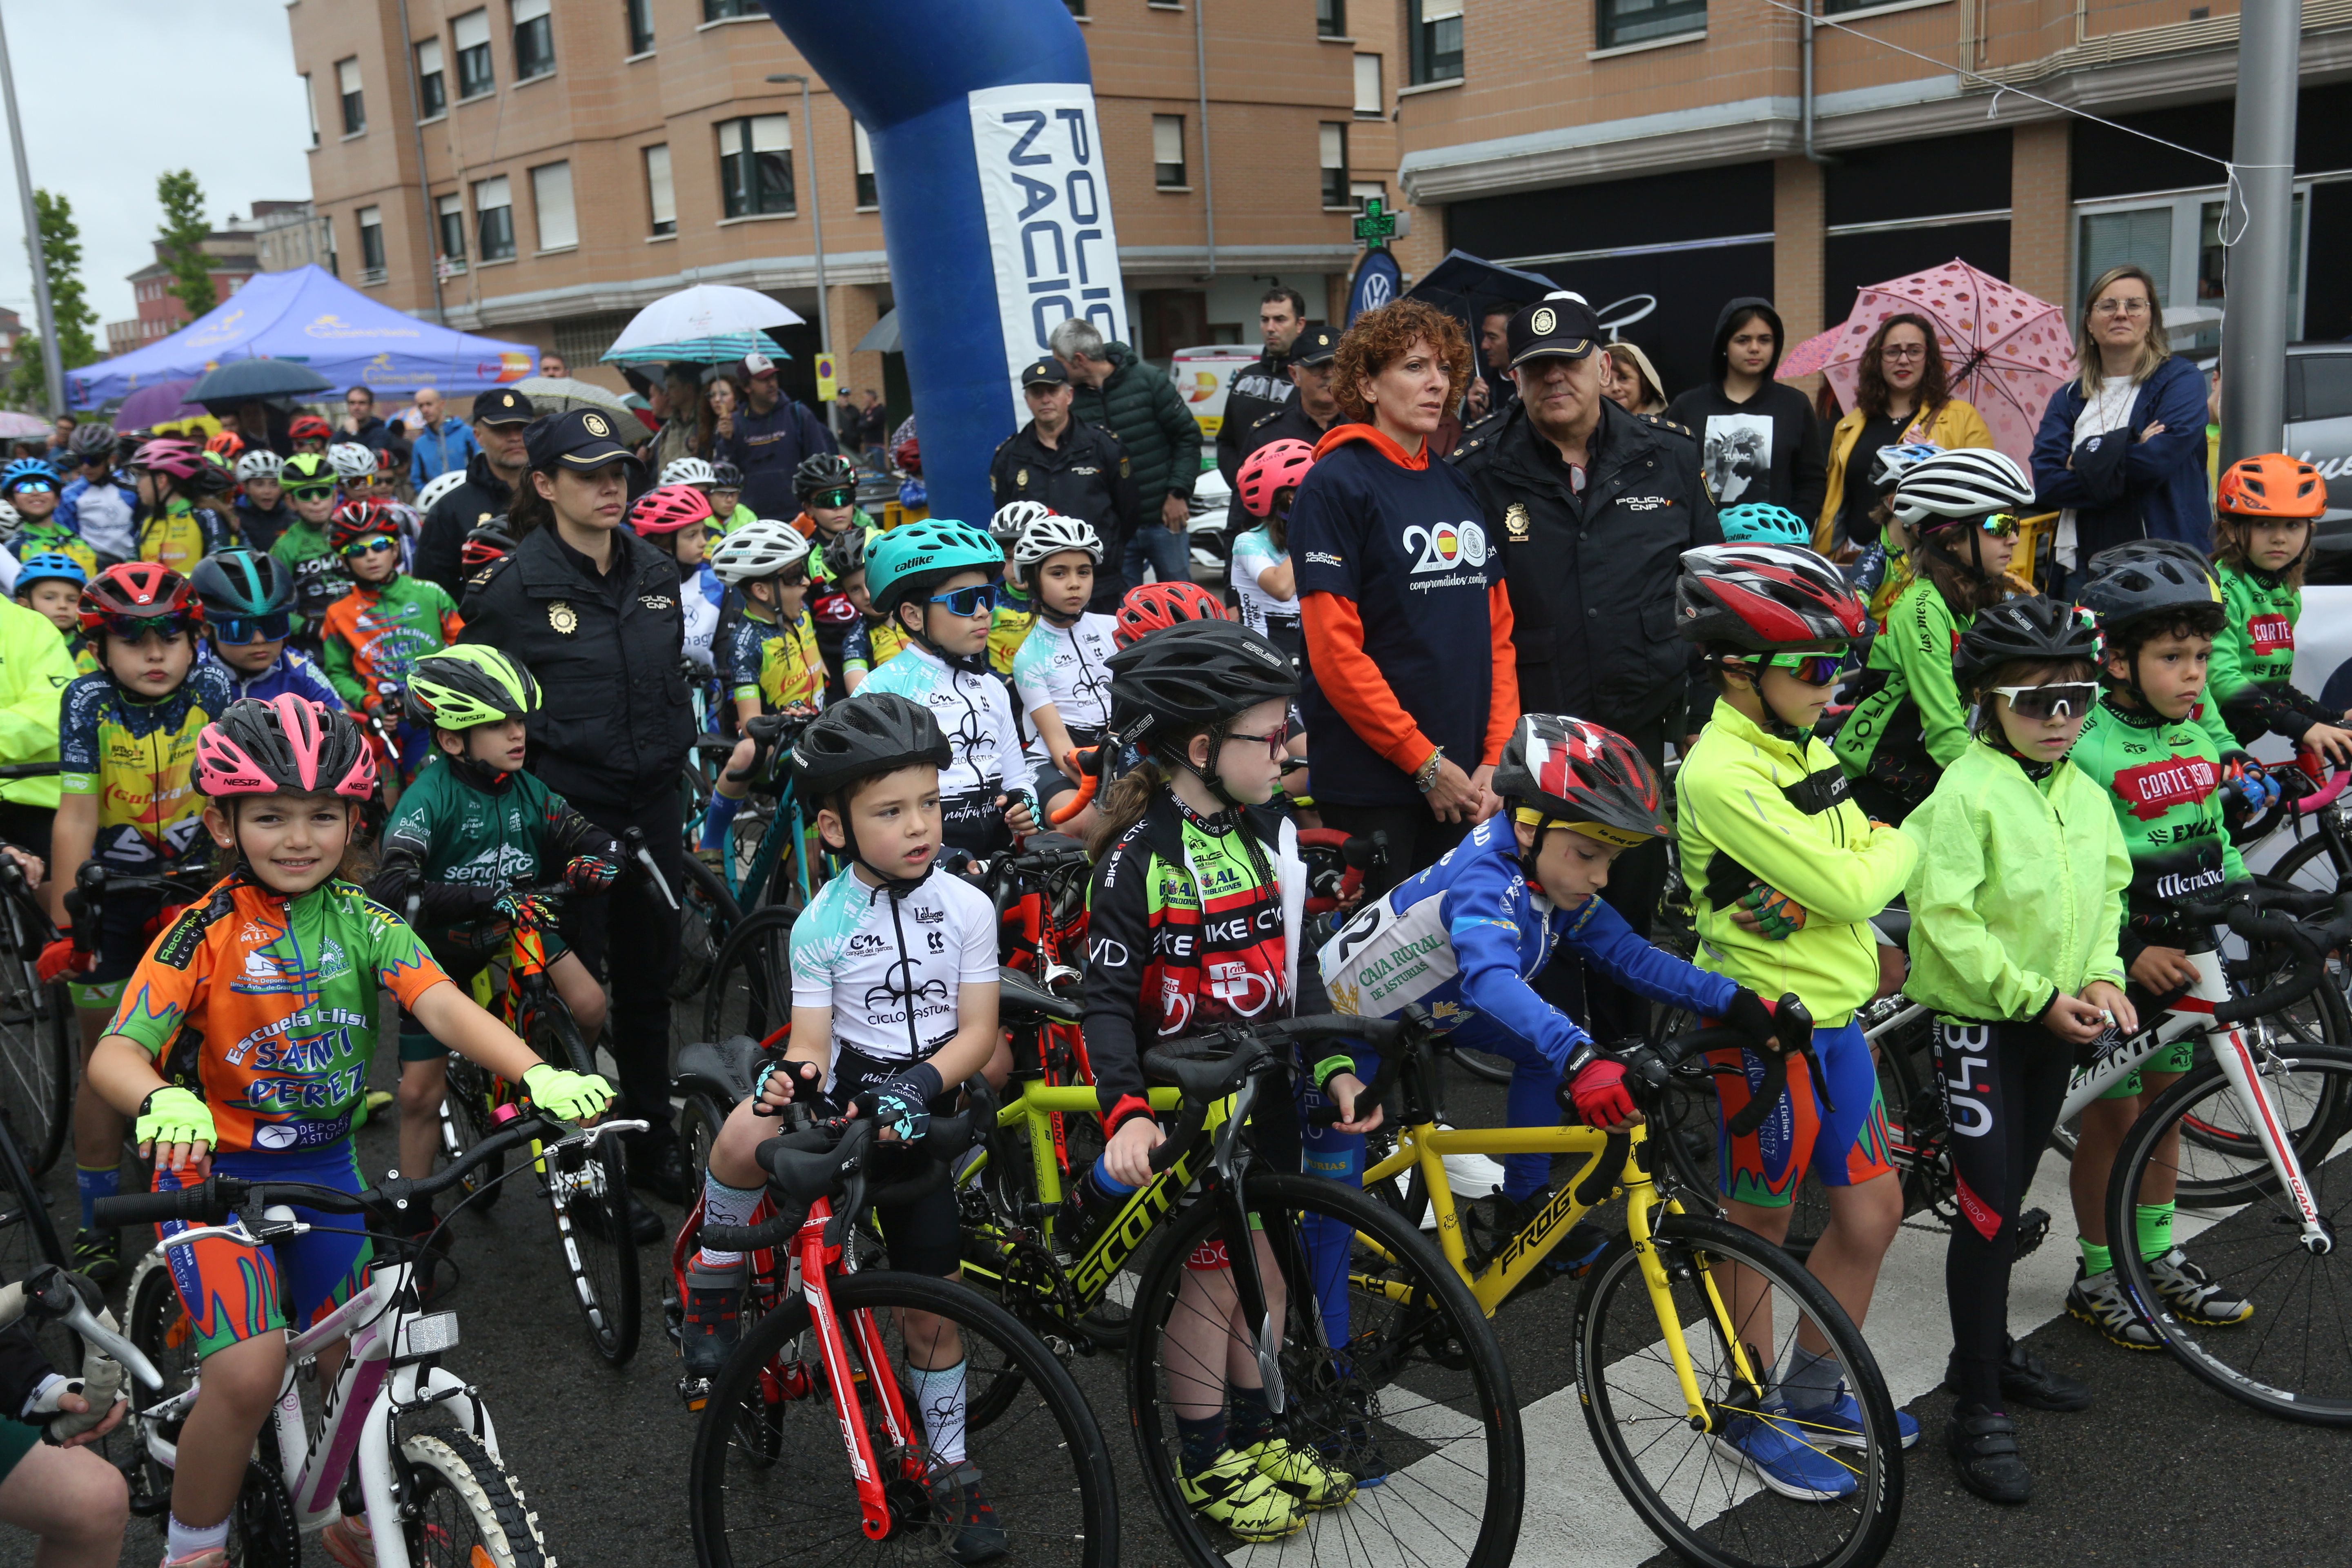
{"x": 1055, "y": 1440}
{"x": 2292, "y": 864}
{"x": 588, "y": 1189}
{"x": 159, "y": 1326}
{"x": 1608, "y": 1375}
{"x": 29, "y": 1213}
{"x": 2259, "y": 1248}
{"x": 698, "y": 1126}
{"x": 707, "y": 912}
{"x": 750, "y": 990}
{"x": 1481, "y": 1066}
{"x": 466, "y": 1122}
{"x": 467, "y": 1510}
{"x": 38, "y": 1049}
{"x": 1439, "y": 1340}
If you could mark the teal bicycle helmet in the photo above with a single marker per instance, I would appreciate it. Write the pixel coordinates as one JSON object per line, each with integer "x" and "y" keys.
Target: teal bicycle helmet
{"x": 236, "y": 584}
{"x": 1761, "y": 522}
{"x": 916, "y": 555}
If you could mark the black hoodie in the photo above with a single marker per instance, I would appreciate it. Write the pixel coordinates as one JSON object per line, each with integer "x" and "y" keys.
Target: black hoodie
{"x": 1768, "y": 448}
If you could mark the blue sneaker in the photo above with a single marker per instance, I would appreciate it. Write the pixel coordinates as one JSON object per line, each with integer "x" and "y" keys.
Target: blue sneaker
{"x": 1770, "y": 1444}
{"x": 1838, "y": 1425}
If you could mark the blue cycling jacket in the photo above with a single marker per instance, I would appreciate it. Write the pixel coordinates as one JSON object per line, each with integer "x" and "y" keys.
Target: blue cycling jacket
{"x": 294, "y": 672}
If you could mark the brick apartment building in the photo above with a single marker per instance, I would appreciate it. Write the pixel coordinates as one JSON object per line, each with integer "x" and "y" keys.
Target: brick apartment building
{"x": 232, "y": 256}
{"x": 579, "y": 161}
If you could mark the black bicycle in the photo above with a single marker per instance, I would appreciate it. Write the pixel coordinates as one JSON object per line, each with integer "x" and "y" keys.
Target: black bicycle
{"x": 37, "y": 1027}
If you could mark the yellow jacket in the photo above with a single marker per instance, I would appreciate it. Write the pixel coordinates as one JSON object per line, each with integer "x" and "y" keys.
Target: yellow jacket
{"x": 1956, "y": 424}
{"x": 36, "y": 666}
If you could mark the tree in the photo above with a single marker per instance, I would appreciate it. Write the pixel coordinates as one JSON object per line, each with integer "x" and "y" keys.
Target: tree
{"x": 184, "y": 232}
{"x": 61, "y": 259}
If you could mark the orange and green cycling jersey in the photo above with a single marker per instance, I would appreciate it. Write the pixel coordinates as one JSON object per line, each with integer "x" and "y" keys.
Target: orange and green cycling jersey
{"x": 779, "y": 665}
{"x": 271, "y": 1006}
{"x": 138, "y": 759}
{"x": 180, "y": 535}
{"x": 372, "y": 634}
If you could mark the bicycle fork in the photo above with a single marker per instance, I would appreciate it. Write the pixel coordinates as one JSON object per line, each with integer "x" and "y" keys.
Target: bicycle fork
{"x": 1700, "y": 1409}
{"x": 872, "y": 1496}
{"x": 2245, "y": 1075}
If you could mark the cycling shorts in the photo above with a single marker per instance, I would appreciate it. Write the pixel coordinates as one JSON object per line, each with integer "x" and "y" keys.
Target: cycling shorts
{"x": 923, "y": 1237}
{"x": 16, "y": 1440}
{"x": 2181, "y": 1054}
{"x": 1844, "y": 1147}
{"x": 463, "y": 953}
{"x": 232, "y": 1292}
{"x": 123, "y": 940}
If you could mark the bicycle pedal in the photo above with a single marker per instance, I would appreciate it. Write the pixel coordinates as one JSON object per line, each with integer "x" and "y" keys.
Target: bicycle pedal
{"x": 2033, "y": 1230}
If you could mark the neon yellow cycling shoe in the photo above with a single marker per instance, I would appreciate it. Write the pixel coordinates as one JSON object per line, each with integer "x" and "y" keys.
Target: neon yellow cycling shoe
{"x": 1297, "y": 1470}
{"x": 1230, "y": 1491}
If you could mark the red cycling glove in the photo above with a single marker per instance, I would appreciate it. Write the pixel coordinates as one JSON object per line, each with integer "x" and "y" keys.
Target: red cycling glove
{"x": 62, "y": 958}
{"x": 1599, "y": 1093}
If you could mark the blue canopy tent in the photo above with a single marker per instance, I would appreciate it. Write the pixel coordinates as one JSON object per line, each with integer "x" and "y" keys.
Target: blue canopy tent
{"x": 309, "y": 316}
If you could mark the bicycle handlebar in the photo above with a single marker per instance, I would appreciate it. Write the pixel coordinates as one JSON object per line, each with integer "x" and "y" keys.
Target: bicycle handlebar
{"x": 765, "y": 730}
{"x": 29, "y": 770}
{"x": 1089, "y": 782}
{"x": 831, "y": 1157}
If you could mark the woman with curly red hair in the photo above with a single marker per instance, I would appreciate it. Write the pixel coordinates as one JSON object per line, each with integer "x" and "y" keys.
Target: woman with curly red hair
{"x": 1401, "y": 598}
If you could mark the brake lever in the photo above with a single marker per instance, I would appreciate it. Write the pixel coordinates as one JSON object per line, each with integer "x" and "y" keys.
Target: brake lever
{"x": 632, "y": 842}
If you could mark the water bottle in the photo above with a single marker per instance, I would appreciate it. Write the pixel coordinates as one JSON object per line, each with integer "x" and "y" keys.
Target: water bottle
{"x": 1094, "y": 1198}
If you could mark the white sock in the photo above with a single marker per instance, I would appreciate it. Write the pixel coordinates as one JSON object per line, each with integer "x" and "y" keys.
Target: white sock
{"x": 723, "y": 1204}
{"x": 187, "y": 1540}
{"x": 940, "y": 1396}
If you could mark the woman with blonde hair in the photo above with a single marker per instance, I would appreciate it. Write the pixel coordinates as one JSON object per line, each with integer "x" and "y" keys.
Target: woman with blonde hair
{"x": 1902, "y": 397}
{"x": 2122, "y": 448}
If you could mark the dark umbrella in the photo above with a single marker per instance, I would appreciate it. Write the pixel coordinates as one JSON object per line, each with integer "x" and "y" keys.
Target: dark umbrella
{"x": 1466, "y": 285}
{"x": 249, "y": 380}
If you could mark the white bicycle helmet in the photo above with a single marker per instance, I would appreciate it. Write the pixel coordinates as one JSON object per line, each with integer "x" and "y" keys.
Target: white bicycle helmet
{"x": 1893, "y": 462}
{"x": 757, "y": 551}
{"x": 262, "y": 464}
{"x": 1051, "y": 535}
{"x": 1013, "y": 518}
{"x": 351, "y": 461}
{"x": 688, "y": 471}
{"x": 1968, "y": 482}
{"x": 439, "y": 485}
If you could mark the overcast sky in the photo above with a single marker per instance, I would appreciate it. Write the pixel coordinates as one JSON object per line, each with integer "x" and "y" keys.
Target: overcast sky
{"x": 113, "y": 92}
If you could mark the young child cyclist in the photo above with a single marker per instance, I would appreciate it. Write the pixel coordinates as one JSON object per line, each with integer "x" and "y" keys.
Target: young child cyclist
{"x": 766, "y": 649}
{"x": 726, "y": 496}
{"x": 127, "y": 751}
{"x": 246, "y": 624}
{"x": 308, "y": 435}
{"x": 874, "y": 639}
{"x": 2016, "y": 904}
{"x": 30, "y": 486}
{"x": 320, "y": 576}
{"x": 1265, "y": 582}
{"x": 2264, "y": 515}
{"x": 826, "y": 485}
{"x": 676, "y": 519}
{"x": 473, "y": 828}
{"x": 1061, "y": 672}
{"x": 172, "y": 477}
{"x": 936, "y": 580}
{"x": 872, "y": 766}
{"x": 1016, "y": 609}
{"x": 51, "y": 582}
{"x": 1908, "y": 725}
{"x": 264, "y": 1074}
{"x": 262, "y": 513}
{"x": 1785, "y": 873}
{"x": 372, "y": 635}
{"x": 2159, "y": 610}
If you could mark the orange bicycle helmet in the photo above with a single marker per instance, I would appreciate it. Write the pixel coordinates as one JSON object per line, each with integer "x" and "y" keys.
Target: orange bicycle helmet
{"x": 2271, "y": 484}
{"x": 1156, "y": 606}
{"x": 227, "y": 442}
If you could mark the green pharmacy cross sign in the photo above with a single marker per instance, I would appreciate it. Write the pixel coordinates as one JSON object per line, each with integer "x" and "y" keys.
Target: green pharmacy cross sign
{"x": 1376, "y": 225}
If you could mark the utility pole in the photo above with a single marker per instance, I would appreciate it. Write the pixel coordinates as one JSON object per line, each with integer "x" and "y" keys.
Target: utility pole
{"x": 2254, "y": 326}
{"x": 52, "y": 360}
{"x": 816, "y": 215}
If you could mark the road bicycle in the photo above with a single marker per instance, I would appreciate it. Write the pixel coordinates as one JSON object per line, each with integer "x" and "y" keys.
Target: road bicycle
{"x": 397, "y": 1435}
{"x": 38, "y": 1034}
{"x": 830, "y": 1355}
{"x": 1666, "y": 1371}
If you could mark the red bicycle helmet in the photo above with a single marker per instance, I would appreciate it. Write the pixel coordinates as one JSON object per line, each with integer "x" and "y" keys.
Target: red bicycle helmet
{"x": 285, "y": 745}
{"x": 227, "y": 442}
{"x": 366, "y": 518}
{"x": 2272, "y": 485}
{"x": 1763, "y": 597}
{"x": 486, "y": 543}
{"x": 1156, "y": 606}
{"x": 143, "y": 590}
{"x": 908, "y": 456}
{"x": 168, "y": 455}
{"x": 669, "y": 509}
{"x": 1276, "y": 466}
{"x": 309, "y": 428}
{"x": 1563, "y": 771}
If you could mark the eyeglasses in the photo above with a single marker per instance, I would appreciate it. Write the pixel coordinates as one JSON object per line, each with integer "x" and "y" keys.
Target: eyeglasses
{"x": 2001, "y": 524}
{"x": 273, "y": 627}
{"x": 370, "y": 546}
{"x": 832, "y": 498}
{"x": 2120, "y": 308}
{"x": 977, "y": 599}
{"x": 1273, "y": 743}
{"x": 132, "y": 628}
{"x": 1904, "y": 351}
{"x": 1808, "y": 669}
{"x": 2060, "y": 700}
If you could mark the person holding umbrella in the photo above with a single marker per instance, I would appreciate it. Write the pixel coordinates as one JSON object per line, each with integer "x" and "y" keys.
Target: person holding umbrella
{"x": 1902, "y": 395}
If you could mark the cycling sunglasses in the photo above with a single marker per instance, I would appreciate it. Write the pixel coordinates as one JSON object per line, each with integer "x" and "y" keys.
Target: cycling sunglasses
{"x": 370, "y": 546}
{"x": 2059, "y": 699}
{"x": 832, "y": 498}
{"x": 975, "y": 600}
{"x": 132, "y": 628}
{"x": 307, "y": 492}
{"x": 38, "y": 487}
{"x": 2001, "y": 524}
{"x": 1810, "y": 668}
{"x": 273, "y": 627}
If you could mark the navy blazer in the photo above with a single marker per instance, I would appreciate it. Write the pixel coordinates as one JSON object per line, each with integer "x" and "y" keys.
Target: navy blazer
{"x": 2163, "y": 478}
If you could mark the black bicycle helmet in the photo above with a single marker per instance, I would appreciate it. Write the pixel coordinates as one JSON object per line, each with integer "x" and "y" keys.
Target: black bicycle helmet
{"x": 1556, "y": 769}
{"x": 860, "y": 737}
{"x": 1200, "y": 672}
{"x": 823, "y": 471}
{"x": 726, "y": 475}
{"x": 844, "y": 553}
{"x": 237, "y": 584}
{"x": 2151, "y": 577}
{"x": 1765, "y": 598}
{"x": 2023, "y": 628}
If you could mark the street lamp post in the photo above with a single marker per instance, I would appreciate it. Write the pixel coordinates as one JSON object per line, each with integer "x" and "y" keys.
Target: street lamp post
{"x": 52, "y": 359}
{"x": 816, "y": 214}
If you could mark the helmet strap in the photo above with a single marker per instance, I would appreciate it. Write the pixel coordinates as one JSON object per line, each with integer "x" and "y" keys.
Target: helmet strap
{"x": 896, "y": 886}
{"x": 1771, "y": 723}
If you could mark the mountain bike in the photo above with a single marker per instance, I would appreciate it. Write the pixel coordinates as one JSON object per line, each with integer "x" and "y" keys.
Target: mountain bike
{"x": 831, "y": 1359}
{"x": 38, "y": 1034}
{"x": 397, "y": 1435}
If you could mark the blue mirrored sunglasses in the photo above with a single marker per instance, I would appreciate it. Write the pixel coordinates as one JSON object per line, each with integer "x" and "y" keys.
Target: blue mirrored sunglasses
{"x": 971, "y": 601}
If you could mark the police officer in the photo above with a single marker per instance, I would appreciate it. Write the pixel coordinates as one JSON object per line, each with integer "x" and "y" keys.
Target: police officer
{"x": 1311, "y": 410}
{"x": 1078, "y": 470}
{"x": 500, "y": 417}
{"x": 1591, "y": 509}
{"x": 1262, "y": 386}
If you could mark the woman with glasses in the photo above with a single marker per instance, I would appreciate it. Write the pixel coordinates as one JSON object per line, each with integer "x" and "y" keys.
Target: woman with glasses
{"x": 1902, "y": 397}
{"x": 2122, "y": 447}
{"x": 1908, "y": 722}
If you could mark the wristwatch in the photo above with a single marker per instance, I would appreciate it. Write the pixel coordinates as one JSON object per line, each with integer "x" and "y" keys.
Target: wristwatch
{"x": 1424, "y": 779}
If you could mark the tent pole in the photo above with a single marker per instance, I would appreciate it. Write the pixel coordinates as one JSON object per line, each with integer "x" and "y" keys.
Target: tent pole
{"x": 52, "y": 359}
{"x": 424, "y": 182}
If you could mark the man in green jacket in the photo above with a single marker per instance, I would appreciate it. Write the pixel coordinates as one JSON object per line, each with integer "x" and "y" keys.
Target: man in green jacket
{"x": 1115, "y": 389}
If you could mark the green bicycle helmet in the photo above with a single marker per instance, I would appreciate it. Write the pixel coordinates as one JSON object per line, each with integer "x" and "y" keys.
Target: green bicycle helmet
{"x": 307, "y": 473}
{"x": 1760, "y": 523}
{"x": 916, "y": 555}
{"x": 470, "y": 684}
{"x": 239, "y": 583}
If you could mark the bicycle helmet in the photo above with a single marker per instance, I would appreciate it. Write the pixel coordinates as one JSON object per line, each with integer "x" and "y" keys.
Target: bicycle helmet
{"x": 1893, "y": 462}
{"x": 844, "y": 553}
{"x": 309, "y": 428}
{"x": 214, "y": 475}
{"x": 1556, "y": 771}
{"x": 93, "y": 440}
{"x": 2028, "y": 627}
{"x": 1954, "y": 486}
{"x": 166, "y": 454}
{"x": 1199, "y": 673}
{"x": 350, "y": 460}
{"x": 687, "y": 471}
{"x": 2272, "y": 485}
{"x": 915, "y": 555}
{"x": 726, "y": 475}
{"x": 285, "y": 745}
{"x": 1761, "y": 522}
{"x": 25, "y": 471}
{"x": 1013, "y": 517}
{"x": 1157, "y": 607}
{"x": 863, "y": 736}
{"x": 239, "y": 583}
{"x": 467, "y": 684}
{"x": 1276, "y": 466}
{"x": 144, "y": 590}
{"x": 366, "y": 518}
{"x": 259, "y": 463}
{"x": 908, "y": 456}
{"x": 2149, "y": 577}
{"x": 49, "y": 565}
{"x": 10, "y": 518}
{"x": 436, "y": 487}
{"x": 1765, "y": 598}
{"x": 669, "y": 509}
{"x": 822, "y": 471}
{"x": 1053, "y": 535}
{"x": 307, "y": 473}
{"x": 486, "y": 542}
{"x": 757, "y": 552}
{"x": 227, "y": 442}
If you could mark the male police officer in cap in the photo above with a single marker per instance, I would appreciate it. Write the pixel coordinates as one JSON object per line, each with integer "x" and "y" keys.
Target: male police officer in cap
{"x": 1078, "y": 470}
{"x": 500, "y": 417}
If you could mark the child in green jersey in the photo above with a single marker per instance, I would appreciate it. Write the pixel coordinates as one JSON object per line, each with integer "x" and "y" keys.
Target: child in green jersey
{"x": 2262, "y": 524}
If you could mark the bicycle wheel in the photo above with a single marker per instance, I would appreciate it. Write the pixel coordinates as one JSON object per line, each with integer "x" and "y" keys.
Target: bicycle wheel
{"x": 707, "y": 912}
{"x": 1481, "y": 1066}
{"x": 37, "y": 1038}
{"x": 1396, "y": 1380}
{"x": 751, "y": 983}
{"x": 2313, "y": 864}
{"x": 1042, "y": 1463}
{"x": 2294, "y": 1357}
{"x": 588, "y": 1187}
{"x": 698, "y": 1129}
{"x": 465, "y": 1510}
{"x": 159, "y": 1326}
{"x": 1693, "y": 1489}
{"x": 465, "y": 1122}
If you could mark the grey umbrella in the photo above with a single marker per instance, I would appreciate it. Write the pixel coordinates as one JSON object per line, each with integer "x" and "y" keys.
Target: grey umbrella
{"x": 249, "y": 380}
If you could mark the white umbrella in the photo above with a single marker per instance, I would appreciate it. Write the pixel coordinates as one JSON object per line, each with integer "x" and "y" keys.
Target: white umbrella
{"x": 562, "y": 393}
{"x": 705, "y": 310}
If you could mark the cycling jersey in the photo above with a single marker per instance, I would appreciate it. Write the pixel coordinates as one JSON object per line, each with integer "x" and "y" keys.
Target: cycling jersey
{"x": 271, "y": 1005}
{"x": 1255, "y": 553}
{"x": 455, "y": 844}
{"x": 1008, "y": 628}
{"x": 2163, "y": 777}
{"x": 971, "y": 706}
{"x": 260, "y": 528}
{"x": 180, "y": 535}
{"x": 1908, "y": 722}
{"x": 1068, "y": 667}
{"x": 831, "y": 608}
{"x": 138, "y": 759}
{"x": 778, "y": 665}
{"x": 2249, "y": 685}
{"x": 892, "y": 965}
{"x": 320, "y": 576}
{"x": 701, "y": 596}
{"x": 292, "y": 671}
{"x": 869, "y": 645}
{"x": 372, "y": 634}
{"x": 35, "y": 538}
{"x": 35, "y": 669}
{"x": 102, "y": 515}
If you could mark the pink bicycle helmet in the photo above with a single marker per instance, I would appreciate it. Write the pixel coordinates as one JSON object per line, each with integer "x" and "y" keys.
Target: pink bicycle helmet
{"x": 285, "y": 745}
{"x": 168, "y": 455}
{"x": 669, "y": 509}
{"x": 1276, "y": 466}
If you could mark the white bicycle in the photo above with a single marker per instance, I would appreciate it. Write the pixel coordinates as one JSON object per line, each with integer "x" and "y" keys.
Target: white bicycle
{"x": 414, "y": 1436}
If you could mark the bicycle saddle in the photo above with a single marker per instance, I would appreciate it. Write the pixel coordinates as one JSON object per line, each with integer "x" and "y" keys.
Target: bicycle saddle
{"x": 1894, "y": 923}
{"x": 1016, "y": 993}
{"x": 726, "y": 1067}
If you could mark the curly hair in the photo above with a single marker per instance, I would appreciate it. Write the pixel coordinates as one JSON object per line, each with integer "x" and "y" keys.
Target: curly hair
{"x": 1870, "y": 392}
{"x": 1380, "y": 338}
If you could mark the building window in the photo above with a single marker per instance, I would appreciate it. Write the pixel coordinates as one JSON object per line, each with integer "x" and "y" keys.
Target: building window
{"x": 1362, "y": 191}
{"x": 2179, "y": 240}
{"x": 432, "y": 85}
{"x": 1168, "y": 151}
{"x": 311, "y": 106}
{"x": 870, "y": 194}
{"x": 327, "y": 237}
{"x": 1370, "y": 102}
{"x": 449, "y": 218}
{"x": 534, "y": 40}
{"x": 371, "y": 244}
{"x": 1433, "y": 29}
{"x": 1638, "y": 21}
{"x": 1334, "y": 153}
{"x": 472, "y": 33}
{"x": 1330, "y": 18}
{"x": 1077, "y": 7}
{"x": 755, "y": 165}
{"x": 641, "y": 27}
{"x": 347, "y": 83}
{"x": 726, "y": 10}
{"x": 550, "y": 194}
{"x": 659, "y": 194}
{"x": 494, "y": 220}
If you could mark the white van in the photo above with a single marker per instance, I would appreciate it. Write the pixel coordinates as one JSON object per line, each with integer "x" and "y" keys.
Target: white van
{"x": 1201, "y": 375}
